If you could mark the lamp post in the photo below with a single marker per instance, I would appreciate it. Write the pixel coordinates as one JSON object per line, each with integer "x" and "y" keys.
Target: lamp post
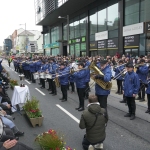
{"x": 25, "y": 39}
{"x": 67, "y": 18}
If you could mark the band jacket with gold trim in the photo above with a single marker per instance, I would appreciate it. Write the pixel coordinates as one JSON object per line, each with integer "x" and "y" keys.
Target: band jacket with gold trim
{"x": 131, "y": 84}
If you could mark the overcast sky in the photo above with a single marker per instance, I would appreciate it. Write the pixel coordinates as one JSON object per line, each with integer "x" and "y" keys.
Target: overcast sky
{"x": 13, "y": 13}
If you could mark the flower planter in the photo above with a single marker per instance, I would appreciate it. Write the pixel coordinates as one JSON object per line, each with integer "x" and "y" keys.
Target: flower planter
{"x": 11, "y": 86}
{"x": 36, "y": 121}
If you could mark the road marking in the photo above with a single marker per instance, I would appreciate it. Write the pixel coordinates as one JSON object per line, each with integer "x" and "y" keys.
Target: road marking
{"x": 28, "y": 82}
{"x": 39, "y": 91}
{"x": 68, "y": 113}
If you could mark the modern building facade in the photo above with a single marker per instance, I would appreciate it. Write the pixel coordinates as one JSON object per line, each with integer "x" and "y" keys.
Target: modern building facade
{"x": 30, "y": 40}
{"x": 7, "y": 46}
{"x": 94, "y": 27}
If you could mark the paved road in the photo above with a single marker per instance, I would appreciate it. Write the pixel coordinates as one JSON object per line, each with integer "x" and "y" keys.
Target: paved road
{"x": 122, "y": 134}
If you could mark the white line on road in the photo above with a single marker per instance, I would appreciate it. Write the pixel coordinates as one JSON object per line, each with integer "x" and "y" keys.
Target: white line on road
{"x": 39, "y": 91}
{"x": 68, "y": 113}
{"x": 28, "y": 82}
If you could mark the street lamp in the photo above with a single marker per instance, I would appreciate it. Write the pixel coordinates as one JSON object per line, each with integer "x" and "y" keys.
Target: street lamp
{"x": 67, "y": 18}
{"x": 26, "y": 39}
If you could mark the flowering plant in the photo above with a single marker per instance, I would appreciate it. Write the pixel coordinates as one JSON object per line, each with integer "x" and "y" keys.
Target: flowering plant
{"x": 51, "y": 140}
{"x": 13, "y": 82}
{"x": 31, "y": 107}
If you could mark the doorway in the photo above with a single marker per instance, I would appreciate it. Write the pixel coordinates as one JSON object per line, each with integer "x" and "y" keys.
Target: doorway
{"x": 64, "y": 50}
{"x": 82, "y": 54}
{"x": 133, "y": 52}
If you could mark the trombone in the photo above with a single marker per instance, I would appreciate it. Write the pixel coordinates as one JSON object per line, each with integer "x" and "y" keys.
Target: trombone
{"x": 122, "y": 73}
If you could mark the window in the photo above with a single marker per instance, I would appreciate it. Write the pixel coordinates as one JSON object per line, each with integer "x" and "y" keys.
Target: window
{"x": 113, "y": 33}
{"x": 54, "y": 34}
{"x": 64, "y": 32}
{"x": 112, "y": 22}
{"x": 46, "y": 38}
{"x": 77, "y": 50}
{"x": 77, "y": 27}
{"x": 142, "y": 44}
{"x": 72, "y": 50}
{"x": 131, "y": 12}
{"x": 102, "y": 24}
{"x": 71, "y": 26}
{"x": 93, "y": 21}
{"x": 83, "y": 22}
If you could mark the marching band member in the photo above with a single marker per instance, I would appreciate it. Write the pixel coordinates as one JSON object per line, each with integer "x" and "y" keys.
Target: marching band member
{"x": 101, "y": 93}
{"x": 142, "y": 72}
{"x": 131, "y": 87}
{"x": 79, "y": 78}
{"x": 49, "y": 80}
{"x": 148, "y": 97}
{"x": 63, "y": 75}
{"x": 117, "y": 70}
{"x": 32, "y": 70}
{"x": 52, "y": 70}
{"x": 87, "y": 80}
{"x": 43, "y": 69}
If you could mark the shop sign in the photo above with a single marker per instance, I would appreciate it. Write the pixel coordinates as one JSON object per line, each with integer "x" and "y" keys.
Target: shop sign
{"x": 148, "y": 26}
{"x": 83, "y": 39}
{"x": 112, "y": 43}
{"x": 83, "y": 46}
{"x": 101, "y": 36}
{"x": 47, "y": 46}
{"x": 93, "y": 45}
{"x": 133, "y": 29}
{"x": 102, "y": 44}
{"x": 131, "y": 41}
{"x": 54, "y": 45}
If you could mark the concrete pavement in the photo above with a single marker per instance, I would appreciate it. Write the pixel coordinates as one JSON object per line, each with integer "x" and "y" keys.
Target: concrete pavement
{"x": 122, "y": 134}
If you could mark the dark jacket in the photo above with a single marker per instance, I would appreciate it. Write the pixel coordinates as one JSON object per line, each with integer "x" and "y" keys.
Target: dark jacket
{"x": 107, "y": 77}
{"x": 79, "y": 78}
{"x": 97, "y": 133}
{"x": 142, "y": 73}
{"x": 64, "y": 76}
{"x": 131, "y": 84}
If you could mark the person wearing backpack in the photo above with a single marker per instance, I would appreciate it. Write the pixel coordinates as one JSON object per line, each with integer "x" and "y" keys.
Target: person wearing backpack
{"x": 94, "y": 120}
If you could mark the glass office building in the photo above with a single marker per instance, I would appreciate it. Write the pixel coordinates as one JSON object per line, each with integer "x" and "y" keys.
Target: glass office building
{"x": 94, "y": 27}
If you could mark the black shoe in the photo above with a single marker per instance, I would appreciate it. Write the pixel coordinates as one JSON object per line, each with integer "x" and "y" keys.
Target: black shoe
{"x": 132, "y": 117}
{"x": 19, "y": 133}
{"x": 142, "y": 100}
{"x": 42, "y": 87}
{"x": 138, "y": 98}
{"x": 49, "y": 89}
{"x": 54, "y": 94}
{"x": 13, "y": 118}
{"x": 147, "y": 111}
{"x": 117, "y": 92}
{"x": 127, "y": 115}
{"x": 39, "y": 83}
{"x": 61, "y": 99}
{"x": 64, "y": 100}
{"x": 51, "y": 93}
{"x": 122, "y": 101}
{"x": 17, "y": 138}
{"x": 77, "y": 108}
{"x": 81, "y": 109}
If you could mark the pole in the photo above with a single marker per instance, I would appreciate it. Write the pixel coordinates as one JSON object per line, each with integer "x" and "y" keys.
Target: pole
{"x": 68, "y": 34}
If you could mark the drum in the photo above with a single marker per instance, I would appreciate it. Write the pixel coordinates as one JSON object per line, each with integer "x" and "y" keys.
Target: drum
{"x": 42, "y": 75}
{"x": 48, "y": 76}
{"x": 36, "y": 76}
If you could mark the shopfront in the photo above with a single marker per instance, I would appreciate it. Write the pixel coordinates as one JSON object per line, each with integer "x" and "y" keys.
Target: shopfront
{"x": 134, "y": 41}
{"x": 77, "y": 47}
